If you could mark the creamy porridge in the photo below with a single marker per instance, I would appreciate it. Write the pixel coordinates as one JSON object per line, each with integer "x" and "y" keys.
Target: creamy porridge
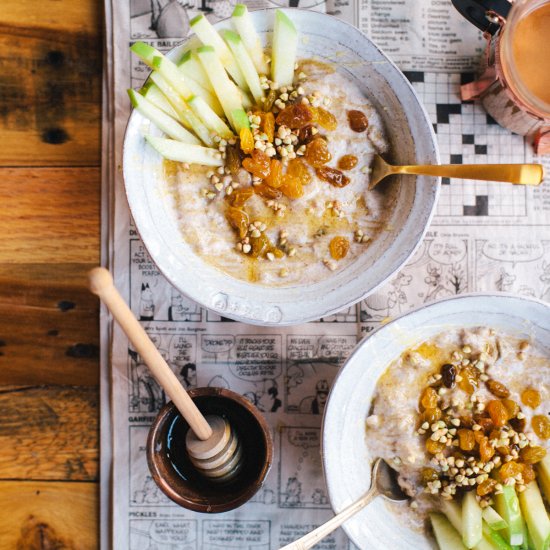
{"x": 466, "y": 410}
{"x": 291, "y": 236}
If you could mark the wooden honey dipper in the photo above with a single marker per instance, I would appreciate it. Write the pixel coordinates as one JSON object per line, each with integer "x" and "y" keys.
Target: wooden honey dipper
{"x": 212, "y": 445}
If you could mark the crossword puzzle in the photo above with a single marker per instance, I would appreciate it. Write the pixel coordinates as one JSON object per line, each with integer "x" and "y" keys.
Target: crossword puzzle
{"x": 468, "y": 135}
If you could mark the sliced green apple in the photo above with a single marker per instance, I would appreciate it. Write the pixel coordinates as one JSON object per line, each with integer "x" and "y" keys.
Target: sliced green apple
{"x": 472, "y": 531}
{"x": 283, "y": 50}
{"x": 228, "y": 94}
{"x": 446, "y": 535}
{"x": 210, "y": 119}
{"x": 494, "y": 538}
{"x": 543, "y": 471}
{"x": 245, "y": 64}
{"x": 184, "y": 152}
{"x": 507, "y": 505}
{"x": 493, "y": 519}
{"x": 145, "y": 52}
{"x": 240, "y": 120}
{"x": 535, "y": 515}
{"x": 191, "y": 67}
{"x": 160, "y": 119}
{"x": 210, "y": 37}
{"x": 152, "y": 92}
{"x": 243, "y": 23}
{"x": 188, "y": 118}
{"x": 185, "y": 86}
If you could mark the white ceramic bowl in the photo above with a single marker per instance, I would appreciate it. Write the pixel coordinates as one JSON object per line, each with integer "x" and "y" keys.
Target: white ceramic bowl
{"x": 411, "y": 141}
{"x": 345, "y": 448}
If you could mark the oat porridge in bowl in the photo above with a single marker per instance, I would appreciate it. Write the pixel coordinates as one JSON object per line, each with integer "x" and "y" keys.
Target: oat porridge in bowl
{"x": 249, "y": 185}
{"x": 456, "y": 398}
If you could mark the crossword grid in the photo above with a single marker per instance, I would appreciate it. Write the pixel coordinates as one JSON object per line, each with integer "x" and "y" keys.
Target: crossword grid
{"x": 466, "y": 134}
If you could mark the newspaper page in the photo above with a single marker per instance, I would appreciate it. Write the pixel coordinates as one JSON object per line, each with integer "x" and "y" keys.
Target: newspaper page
{"x": 484, "y": 237}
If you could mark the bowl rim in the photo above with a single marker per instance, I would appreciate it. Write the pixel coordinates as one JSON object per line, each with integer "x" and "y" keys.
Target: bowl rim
{"x": 468, "y": 296}
{"x": 312, "y": 310}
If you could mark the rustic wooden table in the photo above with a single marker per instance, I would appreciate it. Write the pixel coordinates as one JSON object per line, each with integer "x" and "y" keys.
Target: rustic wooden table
{"x": 50, "y": 110}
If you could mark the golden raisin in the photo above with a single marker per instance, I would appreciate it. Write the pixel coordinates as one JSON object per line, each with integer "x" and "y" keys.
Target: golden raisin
{"x": 486, "y": 487}
{"x": 238, "y": 219}
{"x": 485, "y": 423}
{"x": 428, "y": 474}
{"x": 512, "y": 407}
{"x": 358, "y": 121}
{"x": 317, "y": 152}
{"x": 270, "y": 100}
{"x": 338, "y": 247}
{"x": 239, "y": 197}
{"x": 260, "y": 246}
{"x": 430, "y": 415}
{"x": 518, "y": 424}
{"x": 259, "y": 164}
{"x": 326, "y": 119}
{"x": 531, "y": 398}
{"x": 466, "y": 439}
{"x": 247, "y": 140}
{"x": 307, "y": 133}
{"x": 486, "y": 451}
{"x": 334, "y": 176}
{"x": 347, "y": 162}
{"x": 275, "y": 178}
{"x": 470, "y": 376}
{"x": 297, "y": 168}
{"x": 528, "y": 473}
{"x": 429, "y": 398}
{"x": 232, "y": 159}
{"x": 267, "y": 192}
{"x": 497, "y": 388}
{"x": 295, "y": 116}
{"x": 532, "y": 455}
{"x": 509, "y": 470}
{"x": 497, "y": 411}
{"x": 267, "y": 125}
{"x": 292, "y": 187}
{"x": 541, "y": 426}
{"x": 434, "y": 447}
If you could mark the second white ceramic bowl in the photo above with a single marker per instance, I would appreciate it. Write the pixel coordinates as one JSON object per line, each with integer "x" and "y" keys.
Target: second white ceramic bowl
{"x": 412, "y": 141}
{"x": 346, "y": 459}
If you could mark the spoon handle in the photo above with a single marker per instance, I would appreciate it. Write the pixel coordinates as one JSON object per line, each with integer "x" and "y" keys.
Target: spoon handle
{"x": 312, "y": 538}
{"x": 523, "y": 174}
{"x": 101, "y": 284}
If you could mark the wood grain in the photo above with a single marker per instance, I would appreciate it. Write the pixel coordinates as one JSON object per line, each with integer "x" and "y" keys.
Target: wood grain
{"x": 49, "y": 433}
{"x": 48, "y": 516}
{"x": 50, "y": 90}
{"x": 49, "y": 215}
{"x": 49, "y": 328}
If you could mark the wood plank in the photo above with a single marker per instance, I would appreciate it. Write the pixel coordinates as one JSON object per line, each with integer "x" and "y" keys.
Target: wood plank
{"x": 50, "y": 215}
{"x": 48, "y": 515}
{"x": 49, "y": 325}
{"x": 49, "y": 433}
{"x": 50, "y": 90}
{"x": 53, "y": 14}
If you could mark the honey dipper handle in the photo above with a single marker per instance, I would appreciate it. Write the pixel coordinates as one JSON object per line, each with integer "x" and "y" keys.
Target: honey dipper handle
{"x": 101, "y": 284}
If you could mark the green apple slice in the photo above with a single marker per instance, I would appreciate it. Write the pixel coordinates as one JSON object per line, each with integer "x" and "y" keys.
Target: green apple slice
{"x": 191, "y": 67}
{"x": 209, "y": 37}
{"x": 152, "y": 92}
{"x": 188, "y": 118}
{"x": 185, "y": 86}
{"x": 472, "y": 531}
{"x": 535, "y": 515}
{"x": 283, "y": 51}
{"x": 184, "y": 152}
{"x": 211, "y": 120}
{"x": 243, "y": 23}
{"x": 493, "y": 519}
{"x": 228, "y": 94}
{"x": 446, "y": 535}
{"x": 543, "y": 471}
{"x": 507, "y": 505}
{"x": 165, "y": 123}
{"x": 240, "y": 120}
{"x": 495, "y": 539}
{"x": 245, "y": 64}
{"x": 145, "y": 52}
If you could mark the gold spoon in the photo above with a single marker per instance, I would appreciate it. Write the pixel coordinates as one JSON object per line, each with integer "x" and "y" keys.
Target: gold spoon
{"x": 523, "y": 174}
{"x": 384, "y": 483}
